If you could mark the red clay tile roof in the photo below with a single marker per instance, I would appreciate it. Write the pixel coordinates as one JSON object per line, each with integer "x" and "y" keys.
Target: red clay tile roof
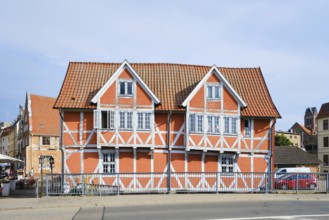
{"x": 6, "y": 131}
{"x": 324, "y": 111}
{"x": 45, "y": 120}
{"x": 305, "y": 129}
{"x": 171, "y": 83}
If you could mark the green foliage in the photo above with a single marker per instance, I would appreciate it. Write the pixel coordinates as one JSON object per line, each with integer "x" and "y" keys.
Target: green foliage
{"x": 281, "y": 140}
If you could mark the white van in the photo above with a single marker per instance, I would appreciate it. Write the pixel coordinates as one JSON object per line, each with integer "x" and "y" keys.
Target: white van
{"x": 282, "y": 171}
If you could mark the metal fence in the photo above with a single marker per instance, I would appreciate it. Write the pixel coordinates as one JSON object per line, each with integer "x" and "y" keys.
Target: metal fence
{"x": 123, "y": 183}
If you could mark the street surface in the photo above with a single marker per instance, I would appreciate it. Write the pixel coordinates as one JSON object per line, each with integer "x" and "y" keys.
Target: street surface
{"x": 173, "y": 206}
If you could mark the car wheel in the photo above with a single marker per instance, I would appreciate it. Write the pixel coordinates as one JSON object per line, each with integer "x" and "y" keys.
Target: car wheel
{"x": 312, "y": 186}
{"x": 284, "y": 187}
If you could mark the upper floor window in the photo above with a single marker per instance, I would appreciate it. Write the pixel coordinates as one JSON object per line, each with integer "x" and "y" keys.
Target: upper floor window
{"x": 45, "y": 140}
{"x": 125, "y": 88}
{"x": 196, "y": 123}
{"x": 325, "y": 124}
{"x": 213, "y": 124}
{"x": 108, "y": 119}
{"x": 109, "y": 163}
{"x": 247, "y": 127}
{"x": 230, "y": 125}
{"x": 144, "y": 120}
{"x": 213, "y": 91}
{"x": 325, "y": 141}
{"x": 325, "y": 160}
{"x": 126, "y": 120}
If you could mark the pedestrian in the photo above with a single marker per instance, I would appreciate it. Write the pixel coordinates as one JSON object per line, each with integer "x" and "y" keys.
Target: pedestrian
{"x": 31, "y": 172}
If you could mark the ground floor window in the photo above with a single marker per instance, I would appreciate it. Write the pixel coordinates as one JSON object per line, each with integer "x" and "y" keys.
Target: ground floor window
{"x": 109, "y": 163}
{"x": 227, "y": 164}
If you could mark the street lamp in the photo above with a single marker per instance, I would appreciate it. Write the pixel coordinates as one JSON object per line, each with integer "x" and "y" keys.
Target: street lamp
{"x": 52, "y": 162}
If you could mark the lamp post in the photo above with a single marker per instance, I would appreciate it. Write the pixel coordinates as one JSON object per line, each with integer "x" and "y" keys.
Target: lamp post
{"x": 52, "y": 162}
{"x": 41, "y": 158}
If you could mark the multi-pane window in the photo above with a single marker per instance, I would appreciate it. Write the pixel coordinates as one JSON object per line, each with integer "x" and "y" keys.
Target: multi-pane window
{"x": 107, "y": 119}
{"x": 325, "y": 141}
{"x": 230, "y": 125}
{"x": 109, "y": 163}
{"x": 196, "y": 123}
{"x": 213, "y": 124}
{"x": 325, "y": 124}
{"x": 126, "y": 88}
{"x": 247, "y": 127}
{"x": 144, "y": 120}
{"x": 227, "y": 164}
{"x": 213, "y": 91}
{"x": 126, "y": 120}
{"x": 45, "y": 140}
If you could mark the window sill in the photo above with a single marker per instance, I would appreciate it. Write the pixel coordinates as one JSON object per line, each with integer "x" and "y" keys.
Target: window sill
{"x": 196, "y": 132}
{"x": 125, "y": 96}
{"x": 213, "y": 100}
{"x": 229, "y": 134}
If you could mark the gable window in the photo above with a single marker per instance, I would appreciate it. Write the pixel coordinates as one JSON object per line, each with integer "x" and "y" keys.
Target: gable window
{"x": 213, "y": 91}
{"x": 125, "y": 121}
{"x": 227, "y": 164}
{"x": 325, "y": 141}
{"x": 247, "y": 127}
{"x": 230, "y": 125}
{"x": 196, "y": 123}
{"x": 325, "y": 124}
{"x": 213, "y": 124}
{"x": 126, "y": 88}
{"x": 144, "y": 120}
{"x": 109, "y": 163}
{"x": 107, "y": 119}
{"x": 45, "y": 140}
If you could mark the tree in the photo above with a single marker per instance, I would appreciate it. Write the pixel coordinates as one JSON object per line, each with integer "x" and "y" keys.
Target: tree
{"x": 281, "y": 140}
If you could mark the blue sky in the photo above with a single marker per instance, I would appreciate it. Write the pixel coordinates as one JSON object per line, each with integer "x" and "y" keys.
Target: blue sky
{"x": 288, "y": 39}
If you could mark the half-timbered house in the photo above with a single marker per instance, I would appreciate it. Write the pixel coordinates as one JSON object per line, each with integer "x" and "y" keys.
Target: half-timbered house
{"x": 159, "y": 118}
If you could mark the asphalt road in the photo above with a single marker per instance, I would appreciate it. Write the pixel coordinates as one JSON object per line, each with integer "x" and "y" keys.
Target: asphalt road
{"x": 219, "y": 210}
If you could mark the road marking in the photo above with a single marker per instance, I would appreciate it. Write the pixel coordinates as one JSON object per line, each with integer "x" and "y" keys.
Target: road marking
{"x": 275, "y": 217}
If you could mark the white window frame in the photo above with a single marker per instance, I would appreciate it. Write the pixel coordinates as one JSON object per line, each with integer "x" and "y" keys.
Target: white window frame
{"x": 211, "y": 129}
{"x": 125, "y": 120}
{"x": 110, "y": 119}
{"x": 214, "y": 87}
{"x": 231, "y": 128}
{"x": 228, "y": 163}
{"x": 144, "y": 121}
{"x": 247, "y": 130}
{"x": 109, "y": 165}
{"x": 196, "y": 127}
{"x": 126, "y": 82}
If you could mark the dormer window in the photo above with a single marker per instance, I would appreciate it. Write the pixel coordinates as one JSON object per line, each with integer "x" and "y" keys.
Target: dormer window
{"x": 213, "y": 91}
{"x": 125, "y": 88}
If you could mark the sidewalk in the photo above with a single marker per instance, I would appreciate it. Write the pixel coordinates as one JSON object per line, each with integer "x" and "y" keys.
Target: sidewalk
{"x": 145, "y": 199}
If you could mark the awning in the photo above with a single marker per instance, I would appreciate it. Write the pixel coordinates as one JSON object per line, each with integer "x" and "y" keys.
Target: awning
{"x": 7, "y": 159}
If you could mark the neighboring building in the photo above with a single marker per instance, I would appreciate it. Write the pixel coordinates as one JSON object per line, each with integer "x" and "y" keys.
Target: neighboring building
{"x": 323, "y": 136}
{"x": 308, "y": 138}
{"x": 295, "y": 157}
{"x": 40, "y": 133}
{"x": 117, "y": 117}
{"x": 19, "y": 135}
{"x": 5, "y": 140}
{"x": 310, "y": 119}
{"x": 4, "y": 124}
{"x": 294, "y": 138}
{"x": 12, "y": 140}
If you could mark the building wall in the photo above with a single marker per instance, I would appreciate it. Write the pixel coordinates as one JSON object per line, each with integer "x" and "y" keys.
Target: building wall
{"x": 154, "y": 149}
{"x": 321, "y": 149}
{"x": 294, "y": 138}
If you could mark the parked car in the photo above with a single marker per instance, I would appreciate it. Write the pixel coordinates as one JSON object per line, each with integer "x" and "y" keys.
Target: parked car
{"x": 305, "y": 181}
{"x": 284, "y": 171}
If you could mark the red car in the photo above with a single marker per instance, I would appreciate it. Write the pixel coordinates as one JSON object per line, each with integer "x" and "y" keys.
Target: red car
{"x": 305, "y": 181}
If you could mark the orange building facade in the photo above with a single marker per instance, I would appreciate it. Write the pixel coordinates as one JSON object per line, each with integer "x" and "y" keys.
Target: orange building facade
{"x": 160, "y": 118}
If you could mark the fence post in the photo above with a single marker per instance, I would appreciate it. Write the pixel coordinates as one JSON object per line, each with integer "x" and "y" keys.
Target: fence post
{"x": 217, "y": 182}
{"x": 83, "y": 184}
{"x": 327, "y": 183}
{"x": 118, "y": 184}
{"x": 47, "y": 185}
{"x": 297, "y": 176}
{"x": 266, "y": 182}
